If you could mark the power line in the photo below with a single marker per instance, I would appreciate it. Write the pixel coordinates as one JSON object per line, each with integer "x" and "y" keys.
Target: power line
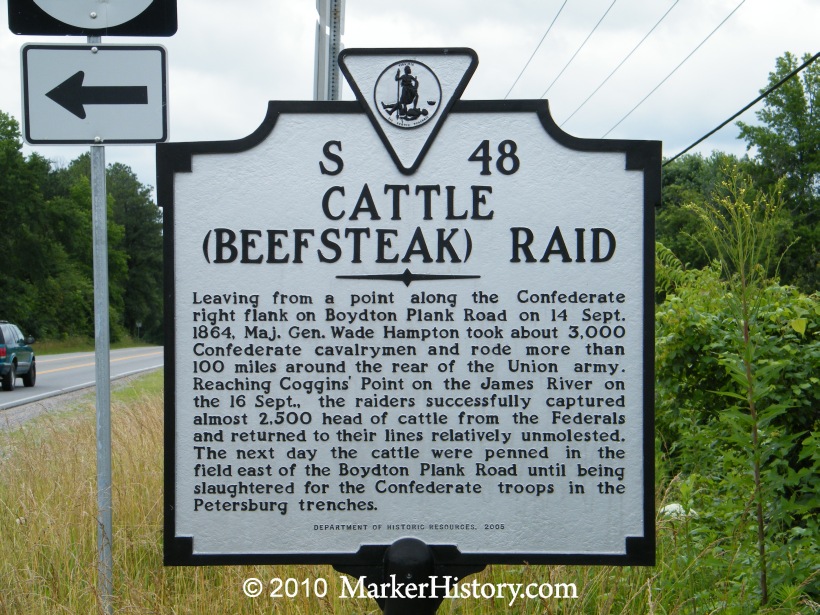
{"x": 747, "y": 107}
{"x": 675, "y": 69}
{"x": 622, "y": 62}
{"x": 579, "y": 48}
{"x": 536, "y": 49}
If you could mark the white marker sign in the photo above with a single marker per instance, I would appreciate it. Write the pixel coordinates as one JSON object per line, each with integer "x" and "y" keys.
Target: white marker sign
{"x": 94, "y": 94}
{"x": 449, "y": 340}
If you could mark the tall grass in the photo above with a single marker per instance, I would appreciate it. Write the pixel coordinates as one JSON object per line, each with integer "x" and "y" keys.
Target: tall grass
{"x": 48, "y": 538}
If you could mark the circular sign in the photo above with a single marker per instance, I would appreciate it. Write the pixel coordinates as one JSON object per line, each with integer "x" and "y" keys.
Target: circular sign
{"x": 407, "y": 94}
{"x": 94, "y": 14}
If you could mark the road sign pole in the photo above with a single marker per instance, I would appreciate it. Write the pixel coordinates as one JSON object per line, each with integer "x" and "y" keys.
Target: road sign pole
{"x": 119, "y": 18}
{"x": 329, "y": 30}
{"x": 105, "y": 579}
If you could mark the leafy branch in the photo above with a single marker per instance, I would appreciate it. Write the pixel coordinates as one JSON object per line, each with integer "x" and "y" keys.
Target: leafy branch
{"x": 741, "y": 223}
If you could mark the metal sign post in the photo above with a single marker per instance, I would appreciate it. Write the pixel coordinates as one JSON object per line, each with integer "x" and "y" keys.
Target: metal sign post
{"x": 61, "y": 84}
{"x": 102, "y": 345}
{"x": 329, "y": 30}
{"x": 103, "y": 376}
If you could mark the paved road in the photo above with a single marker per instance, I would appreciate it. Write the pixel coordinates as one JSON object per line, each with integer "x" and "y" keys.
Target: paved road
{"x": 61, "y": 373}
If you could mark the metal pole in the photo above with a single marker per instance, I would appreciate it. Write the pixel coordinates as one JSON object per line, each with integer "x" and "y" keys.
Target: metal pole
{"x": 337, "y": 27}
{"x": 320, "y": 53}
{"x": 329, "y": 30}
{"x": 102, "y": 344}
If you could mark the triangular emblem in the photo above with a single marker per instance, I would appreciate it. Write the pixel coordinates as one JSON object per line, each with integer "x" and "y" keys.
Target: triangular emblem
{"x": 407, "y": 94}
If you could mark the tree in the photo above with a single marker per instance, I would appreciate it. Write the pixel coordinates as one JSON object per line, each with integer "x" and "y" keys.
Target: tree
{"x": 142, "y": 224}
{"x": 46, "y": 278}
{"x": 19, "y": 203}
{"x": 689, "y": 179}
{"x": 736, "y": 390}
{"x": 135, "y": 246}
{"x": 788, "y": 147}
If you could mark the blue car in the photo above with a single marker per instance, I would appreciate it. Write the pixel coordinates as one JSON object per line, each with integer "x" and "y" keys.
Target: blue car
{"x": 16, "y": 357}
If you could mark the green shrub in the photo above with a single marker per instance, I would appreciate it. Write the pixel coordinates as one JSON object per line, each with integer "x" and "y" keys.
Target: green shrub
{"x": 737, "y": 398}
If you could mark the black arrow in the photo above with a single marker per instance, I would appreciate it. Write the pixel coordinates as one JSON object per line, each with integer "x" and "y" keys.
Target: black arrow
{"x": 71, "y": 94}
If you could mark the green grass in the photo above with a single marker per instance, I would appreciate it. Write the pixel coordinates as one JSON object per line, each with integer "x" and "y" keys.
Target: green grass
{"x": 48, "y": 539}
{"x": 81, "y": 344}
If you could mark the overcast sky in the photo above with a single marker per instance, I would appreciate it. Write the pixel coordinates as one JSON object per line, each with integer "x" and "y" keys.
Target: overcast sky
{"x": 229, "y": 57}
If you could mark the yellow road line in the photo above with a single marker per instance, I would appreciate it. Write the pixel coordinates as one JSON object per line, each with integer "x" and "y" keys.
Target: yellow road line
{"x": 128, "y": 358}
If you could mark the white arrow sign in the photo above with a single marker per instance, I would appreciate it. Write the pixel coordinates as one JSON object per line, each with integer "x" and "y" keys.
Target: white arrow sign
{"x": 94, "y": 94}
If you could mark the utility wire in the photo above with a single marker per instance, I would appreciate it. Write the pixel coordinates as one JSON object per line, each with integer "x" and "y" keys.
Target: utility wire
{"x": 579, "y": 48}
{"x": 621, "y": 64}
{"x": 747, "y": 107}
{"x": 536, "y": 49}
{"x": 675, "y": 69}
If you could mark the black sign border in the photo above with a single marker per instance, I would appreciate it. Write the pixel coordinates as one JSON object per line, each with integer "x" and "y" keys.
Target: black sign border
{"x": 87, "y": 47}
{"x": 640, "y": 155}
{"x": 158, "y": 19}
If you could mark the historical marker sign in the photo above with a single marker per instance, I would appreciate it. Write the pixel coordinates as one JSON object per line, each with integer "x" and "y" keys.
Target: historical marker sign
{"x": 94, "y": 93}
{"x": 410, "y": 315}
